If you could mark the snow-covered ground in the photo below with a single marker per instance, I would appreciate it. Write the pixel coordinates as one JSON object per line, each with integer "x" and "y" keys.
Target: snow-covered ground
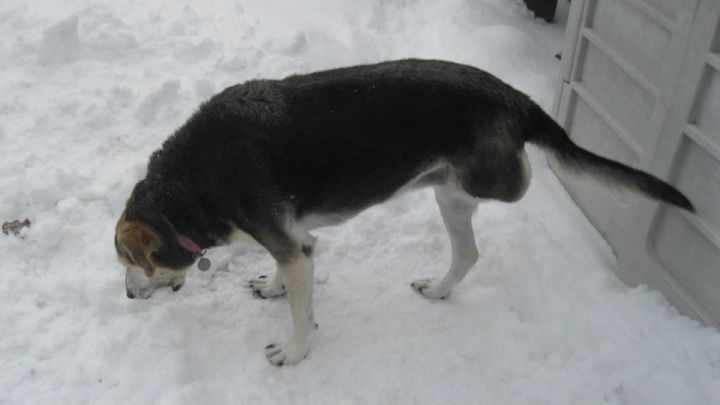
{"x": 89, "y": 88}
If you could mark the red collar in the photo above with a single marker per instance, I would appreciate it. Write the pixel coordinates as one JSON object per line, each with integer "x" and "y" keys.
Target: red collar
{"x": 183, "y": 240}
{"x": 188, "y": 244}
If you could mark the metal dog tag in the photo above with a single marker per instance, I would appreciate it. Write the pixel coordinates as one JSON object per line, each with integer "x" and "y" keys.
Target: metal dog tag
{"x": 204, "y": 264}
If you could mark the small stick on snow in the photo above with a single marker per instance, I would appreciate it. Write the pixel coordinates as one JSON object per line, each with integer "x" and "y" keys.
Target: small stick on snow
{"x": 15, "y": 227}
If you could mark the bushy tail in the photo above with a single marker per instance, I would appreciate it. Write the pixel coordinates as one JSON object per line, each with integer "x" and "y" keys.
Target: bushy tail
{"x": 551, "y": 137}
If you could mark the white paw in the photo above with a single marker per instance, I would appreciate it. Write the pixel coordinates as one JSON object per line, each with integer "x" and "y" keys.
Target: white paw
{"x": 290, "y": 352}
{"x": 430, "y": 288}
{"x": 266, "y": 287}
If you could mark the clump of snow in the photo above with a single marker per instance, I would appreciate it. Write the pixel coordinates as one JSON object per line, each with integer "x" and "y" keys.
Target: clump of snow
{"x": 158, "y": 101}
{"x": 91, "y": 89}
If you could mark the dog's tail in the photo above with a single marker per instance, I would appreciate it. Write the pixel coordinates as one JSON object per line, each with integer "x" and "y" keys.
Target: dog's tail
{"x": 552, "y": 138}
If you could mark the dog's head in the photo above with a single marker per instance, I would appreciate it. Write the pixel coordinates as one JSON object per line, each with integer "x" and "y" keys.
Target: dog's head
{"x": 154, "y": 254}
{"x": 151, "y": 259}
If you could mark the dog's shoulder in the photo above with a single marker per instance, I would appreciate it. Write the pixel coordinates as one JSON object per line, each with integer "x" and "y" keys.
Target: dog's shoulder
{"x": 255, "y": 102}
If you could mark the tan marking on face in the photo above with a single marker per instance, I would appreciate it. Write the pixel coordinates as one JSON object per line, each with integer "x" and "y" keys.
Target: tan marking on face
{"x": 135, "y": 244}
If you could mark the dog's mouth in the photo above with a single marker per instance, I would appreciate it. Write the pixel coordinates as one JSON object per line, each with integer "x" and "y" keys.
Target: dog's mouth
{"x": 137, "y": 285}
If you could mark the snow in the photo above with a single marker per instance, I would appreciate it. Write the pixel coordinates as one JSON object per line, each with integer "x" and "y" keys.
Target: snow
{"x": 90, "y": 89}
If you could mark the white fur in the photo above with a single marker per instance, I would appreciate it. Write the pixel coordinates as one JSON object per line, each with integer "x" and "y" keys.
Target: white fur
{"x": 268, "y": 287}
{"x": 527, "y": 169}
{"x": 142, "y": 286}
{"x": 456, "y": 209}
{"x": 238, "y": 235}
{"x": 298, "y": 278}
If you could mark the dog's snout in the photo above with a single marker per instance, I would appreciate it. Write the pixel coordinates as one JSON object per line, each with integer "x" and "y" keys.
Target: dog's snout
{"x": 129, "y": 294}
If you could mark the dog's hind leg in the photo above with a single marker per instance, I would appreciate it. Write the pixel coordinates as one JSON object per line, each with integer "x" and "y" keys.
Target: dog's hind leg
{"x": 456, "y": 209}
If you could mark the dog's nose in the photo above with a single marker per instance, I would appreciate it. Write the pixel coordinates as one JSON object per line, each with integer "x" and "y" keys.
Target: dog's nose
{"x": 129, "y": 294}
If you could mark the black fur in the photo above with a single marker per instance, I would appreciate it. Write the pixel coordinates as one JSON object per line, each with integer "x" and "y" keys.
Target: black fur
{"x": 341, "y": 140}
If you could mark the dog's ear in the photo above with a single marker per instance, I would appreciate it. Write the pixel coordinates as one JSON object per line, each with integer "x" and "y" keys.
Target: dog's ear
{"x": 139, "y": 241}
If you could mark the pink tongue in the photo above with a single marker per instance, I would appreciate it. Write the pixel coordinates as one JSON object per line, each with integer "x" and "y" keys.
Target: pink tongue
{"x": 188, "y": 244}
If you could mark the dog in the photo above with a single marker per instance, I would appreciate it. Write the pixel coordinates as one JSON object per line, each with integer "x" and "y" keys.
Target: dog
{"x": 270, "y": 160}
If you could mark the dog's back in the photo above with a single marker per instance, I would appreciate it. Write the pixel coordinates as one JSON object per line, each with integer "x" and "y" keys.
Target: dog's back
{"x": 347, "y": 138}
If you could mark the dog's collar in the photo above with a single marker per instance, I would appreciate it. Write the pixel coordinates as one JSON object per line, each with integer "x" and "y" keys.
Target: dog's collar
{"x": 192, "y": 247}
{"x": 187, "y": 243}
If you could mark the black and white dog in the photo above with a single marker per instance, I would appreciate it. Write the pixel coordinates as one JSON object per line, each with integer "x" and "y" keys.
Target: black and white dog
{"x": 269, "y": 160}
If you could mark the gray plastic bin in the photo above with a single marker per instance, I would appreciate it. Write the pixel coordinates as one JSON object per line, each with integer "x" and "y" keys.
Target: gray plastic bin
{"x": 641, "y": 84}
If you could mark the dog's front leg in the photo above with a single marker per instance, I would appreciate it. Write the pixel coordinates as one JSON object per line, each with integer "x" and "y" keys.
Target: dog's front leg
{"x": 297, "y": 272}
{"x": 268, "y": 287}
